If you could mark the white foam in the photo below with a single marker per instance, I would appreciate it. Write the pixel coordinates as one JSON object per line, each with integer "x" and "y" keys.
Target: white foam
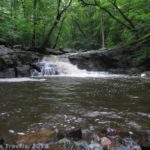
{"x": 144, "y": 114}
{"x": 97, "y": 113}
{"x": 21, "y": 80}
{"x": 55, "y": 66}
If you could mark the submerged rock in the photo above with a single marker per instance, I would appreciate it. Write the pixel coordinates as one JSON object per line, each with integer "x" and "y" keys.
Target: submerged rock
{"x": 36, "y": 137}
{"x": 55, "y": 147}
{"x": 78, "y": 139}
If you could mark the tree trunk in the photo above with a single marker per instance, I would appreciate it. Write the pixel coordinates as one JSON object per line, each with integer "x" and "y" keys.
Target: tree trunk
{"x": 59, "y": 14}
{"x": 46, "y": 42}
{"x": 102, "y": 32}
{"x": 34, "y": 24}
{"x": 59, "y": 32}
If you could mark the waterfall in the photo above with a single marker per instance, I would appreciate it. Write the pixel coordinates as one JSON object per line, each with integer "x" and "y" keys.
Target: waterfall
{"x": 60, "y": 66}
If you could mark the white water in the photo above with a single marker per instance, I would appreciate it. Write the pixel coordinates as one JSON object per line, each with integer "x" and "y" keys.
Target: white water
{"x": 21, "y": 80}
{"x": 60, "y": 66}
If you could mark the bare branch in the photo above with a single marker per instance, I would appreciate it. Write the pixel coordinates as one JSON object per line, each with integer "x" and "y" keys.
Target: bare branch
{"x": 105, "y": 10}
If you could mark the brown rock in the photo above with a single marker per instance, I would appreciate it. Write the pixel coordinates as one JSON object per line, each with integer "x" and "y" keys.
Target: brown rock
{"x": 105, "y": 142}
{"x": 36, "y": 137}
{"x": 55, "y": 147}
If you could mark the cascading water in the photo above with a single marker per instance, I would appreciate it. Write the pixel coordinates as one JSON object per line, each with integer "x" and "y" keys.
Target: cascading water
{"x": 61, "y": 66}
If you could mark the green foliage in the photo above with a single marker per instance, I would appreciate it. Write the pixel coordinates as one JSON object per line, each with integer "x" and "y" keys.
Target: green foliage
{"x": 82, "y": 26}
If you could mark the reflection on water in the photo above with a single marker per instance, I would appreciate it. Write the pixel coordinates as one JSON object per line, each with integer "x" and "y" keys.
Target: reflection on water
{"x": 75, "y": 102}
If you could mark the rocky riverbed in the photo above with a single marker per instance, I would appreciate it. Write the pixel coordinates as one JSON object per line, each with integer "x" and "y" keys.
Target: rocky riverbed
{"x": 77, "y": 139}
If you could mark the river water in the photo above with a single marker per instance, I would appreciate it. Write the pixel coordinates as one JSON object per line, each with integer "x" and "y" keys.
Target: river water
{"x": 70, "y": 102}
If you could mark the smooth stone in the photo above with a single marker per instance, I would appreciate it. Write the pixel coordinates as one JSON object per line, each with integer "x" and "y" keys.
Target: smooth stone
{"x": 36, "y": 137}
{"x": 105, "y": 142}
{"x": 94, "y": 146}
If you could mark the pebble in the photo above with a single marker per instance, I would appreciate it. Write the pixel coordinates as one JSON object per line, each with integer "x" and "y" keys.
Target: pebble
{"x": 94, "y": 146}
{"x": 72, "y": 127}
{"x": 11, "y": 131}
{"x": 130, "y": 132}
{"x": 96, "y": 120}
{"x": 20, "y": 133}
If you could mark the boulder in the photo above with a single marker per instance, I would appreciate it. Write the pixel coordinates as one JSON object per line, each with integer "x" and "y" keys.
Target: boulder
{"x": 5, "y": 50}
{"x": 116, "y": 60}
{"x": 3, "y": 42}
{"x": 23, "y": 71}
{"x": 8, "y": 73}
{"x": 94, "y": 61}
{"x": 16, "y": 62}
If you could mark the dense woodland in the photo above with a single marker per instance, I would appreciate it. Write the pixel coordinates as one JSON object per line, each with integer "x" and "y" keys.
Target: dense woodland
{"x": 79, "y": 24}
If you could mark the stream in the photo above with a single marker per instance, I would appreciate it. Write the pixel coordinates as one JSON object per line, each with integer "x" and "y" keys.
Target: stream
{"x": 77, "y": 100}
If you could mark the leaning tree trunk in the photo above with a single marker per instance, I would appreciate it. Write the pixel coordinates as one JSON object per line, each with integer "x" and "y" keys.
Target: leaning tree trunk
{"x": 34, "y": 24}
{"x": 60, "y": 12}
{"x": 59, "y": 32}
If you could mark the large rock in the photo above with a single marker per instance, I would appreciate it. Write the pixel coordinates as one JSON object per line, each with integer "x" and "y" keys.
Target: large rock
{"x": 16, "y": 62}
{"x": 3, "y": 42}
{"x": 8, "y": 73}
{"x": 94, "y": 61}
{"x": 116, "y": 60}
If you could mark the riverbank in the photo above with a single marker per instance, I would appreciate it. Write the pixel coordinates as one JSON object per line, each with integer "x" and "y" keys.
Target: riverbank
{"x": 15, "y": 62}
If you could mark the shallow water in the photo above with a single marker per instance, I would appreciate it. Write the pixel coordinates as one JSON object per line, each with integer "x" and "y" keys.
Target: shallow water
{"x": 67, "y": 102}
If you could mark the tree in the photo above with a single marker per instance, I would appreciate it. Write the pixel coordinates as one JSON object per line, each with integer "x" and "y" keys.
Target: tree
{"x": 34, "y": 24}
{"x": 101, "y": 23}
{"x": 128, "y": 23}
{"x": 60, "y": 12}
